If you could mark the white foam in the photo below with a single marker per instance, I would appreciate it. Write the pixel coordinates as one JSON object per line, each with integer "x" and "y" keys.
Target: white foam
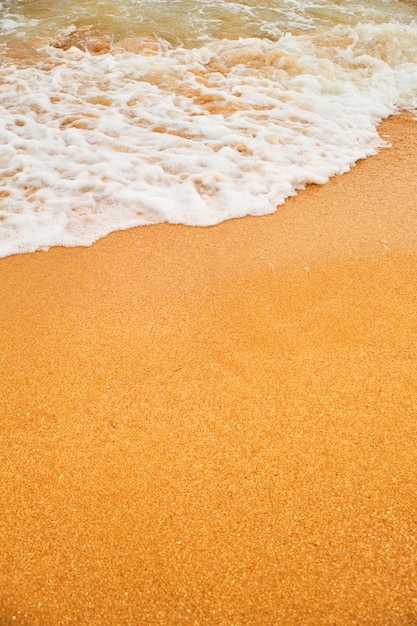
{"x": 92, "y": 144}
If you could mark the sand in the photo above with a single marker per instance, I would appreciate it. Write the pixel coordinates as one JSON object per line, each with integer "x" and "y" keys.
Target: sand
{"x": 218, "y": 426}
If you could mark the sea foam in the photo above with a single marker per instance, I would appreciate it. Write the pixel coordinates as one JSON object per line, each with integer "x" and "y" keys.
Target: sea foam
{"x": 93, "y": 143}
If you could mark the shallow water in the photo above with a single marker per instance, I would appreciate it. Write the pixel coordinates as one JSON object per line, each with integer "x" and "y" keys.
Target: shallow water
{"x": 193, "y": 22}
{"x": 116, "y": 114}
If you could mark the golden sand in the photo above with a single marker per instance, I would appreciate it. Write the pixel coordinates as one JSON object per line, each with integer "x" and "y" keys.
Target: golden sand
{"x": 218, "y": 426}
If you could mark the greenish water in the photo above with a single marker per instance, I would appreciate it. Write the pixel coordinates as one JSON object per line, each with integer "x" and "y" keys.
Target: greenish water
{"x": 182, "y": 21}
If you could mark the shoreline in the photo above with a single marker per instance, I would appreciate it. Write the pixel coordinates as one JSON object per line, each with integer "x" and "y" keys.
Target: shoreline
{"x": 217, "y": 425}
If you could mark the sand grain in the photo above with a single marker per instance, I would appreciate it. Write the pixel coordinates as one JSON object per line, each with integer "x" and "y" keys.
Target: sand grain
{"x": 217, "y": 426}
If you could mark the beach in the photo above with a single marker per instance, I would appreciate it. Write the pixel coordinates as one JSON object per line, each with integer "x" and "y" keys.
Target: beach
{"x": 217, "y": 425}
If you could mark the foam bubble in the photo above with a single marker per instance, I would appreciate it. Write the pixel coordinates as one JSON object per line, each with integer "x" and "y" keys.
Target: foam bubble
{"x": 93, "y": 143}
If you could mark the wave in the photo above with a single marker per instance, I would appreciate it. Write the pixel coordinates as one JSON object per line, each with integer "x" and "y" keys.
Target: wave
{"x": 99, "y": 136}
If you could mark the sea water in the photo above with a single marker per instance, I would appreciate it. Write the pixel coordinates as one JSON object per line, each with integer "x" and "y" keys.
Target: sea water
{"x": 118, "y": 113}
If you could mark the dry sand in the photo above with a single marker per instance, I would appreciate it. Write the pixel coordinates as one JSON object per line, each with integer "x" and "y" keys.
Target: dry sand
{"x": 218, "y": 426}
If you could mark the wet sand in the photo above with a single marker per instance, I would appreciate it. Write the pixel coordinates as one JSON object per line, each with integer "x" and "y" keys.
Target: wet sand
{"x": 218, "y": 426}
